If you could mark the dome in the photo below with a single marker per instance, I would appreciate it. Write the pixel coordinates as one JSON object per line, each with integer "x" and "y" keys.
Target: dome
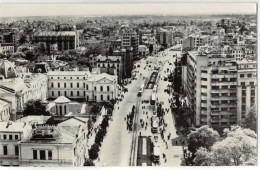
{"x": 7, "y": 70}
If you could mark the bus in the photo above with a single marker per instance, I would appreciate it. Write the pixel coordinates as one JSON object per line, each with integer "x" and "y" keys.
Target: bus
{"x": 153, "y": 99}
{"x": 140, "y": 92}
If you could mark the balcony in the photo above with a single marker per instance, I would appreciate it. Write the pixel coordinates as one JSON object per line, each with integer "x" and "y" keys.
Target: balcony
{"x": 215, "y": 119}
{"x": 203, "y": 120}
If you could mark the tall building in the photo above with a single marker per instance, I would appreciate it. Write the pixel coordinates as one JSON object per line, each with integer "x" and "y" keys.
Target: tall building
{"x": 127, "y": 61}
{"x": 246, "y": 87}
{"x": 130, "y": 38}
{"x": 164, "y": 37}
{"x": 65, "y": 40}
{"x": 212, "y": 88}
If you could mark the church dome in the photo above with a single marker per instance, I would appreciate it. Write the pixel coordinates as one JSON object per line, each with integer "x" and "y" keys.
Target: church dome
{"x": 7, "y": 70}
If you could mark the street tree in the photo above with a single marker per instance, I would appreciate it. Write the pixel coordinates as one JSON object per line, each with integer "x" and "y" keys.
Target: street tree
{"x": 203, "y": 157}
{"x": 22, "y": 39}
{"x": 89, "y": 162}
{"x": 202, "y": 137}
{"x": 93, "y": 153}
{"x": 250, "y": 119}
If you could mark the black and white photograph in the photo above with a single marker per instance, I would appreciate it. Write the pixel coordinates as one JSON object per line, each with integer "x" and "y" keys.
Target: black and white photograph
{"x": 128, "y": 84}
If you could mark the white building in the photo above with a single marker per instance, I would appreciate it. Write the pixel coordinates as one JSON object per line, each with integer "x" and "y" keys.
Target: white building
{"x": 19, "y": 90}
{"x": 6, "y": 49}
{"x": 5, "y": 108}
{"x": 101, "y": 87}
{"x": 58, "y": 145}
{"x": 11, "y": 134}
{"x": 67, "y": 83}
{"x": 143, "y": 51}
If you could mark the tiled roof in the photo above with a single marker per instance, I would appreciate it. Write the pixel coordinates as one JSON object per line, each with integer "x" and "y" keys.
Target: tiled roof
{"x": 61, "y": 99}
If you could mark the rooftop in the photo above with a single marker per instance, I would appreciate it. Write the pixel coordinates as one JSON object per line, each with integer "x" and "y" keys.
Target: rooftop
{"x": 53, "y": 33}
{"x": 68, "y": 73}
{"x": 12, "y": 126}
{"x": 98, "y": 77}
{"x": 61, "y": 99}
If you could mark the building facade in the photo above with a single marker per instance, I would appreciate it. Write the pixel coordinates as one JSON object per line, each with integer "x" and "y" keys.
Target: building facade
{"x": 130, "y": 38}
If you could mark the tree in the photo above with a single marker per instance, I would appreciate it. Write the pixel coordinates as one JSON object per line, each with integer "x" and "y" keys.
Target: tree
{"x": 95, "y": 109}
{"x": 30, "y": 56}
{"x": 35, "y": 107}
{"x": 151, "y": 48}
{"x": 22, "y": 39}
{"x": 88, "y": 162}
{"x": 110, "y": 51}
{"x": 250, "y": 119}
{"x": 203, "y": 157}
{"x": 238, "y": 148}
{"x": 202, "y": 137}
{"x": 93, "y": 153}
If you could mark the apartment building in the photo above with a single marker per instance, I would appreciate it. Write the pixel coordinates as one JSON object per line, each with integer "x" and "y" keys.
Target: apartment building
{"x": 130, "y": 38}
{"x": 246, "y": 87}
{"x": 5, "y": 108}
{"x": 164, "y": 37}
{"x": 211, "y": 88}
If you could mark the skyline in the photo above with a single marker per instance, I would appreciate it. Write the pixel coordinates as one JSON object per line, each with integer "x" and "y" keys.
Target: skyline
{"x": 26, "y": 10}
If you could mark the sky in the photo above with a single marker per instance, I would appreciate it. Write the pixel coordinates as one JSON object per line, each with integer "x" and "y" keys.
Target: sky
{"x": 7, "y": 10}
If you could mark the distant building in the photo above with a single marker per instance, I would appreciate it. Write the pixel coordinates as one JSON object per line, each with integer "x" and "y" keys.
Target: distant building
{"x": 11, "y": 134}
{"x": 127, "y": 61}
{"x": 62, "y": 40}
{"x": 195, "y": 41}
{"x": 111, "y": 65}
{"x": 164, "y": 37}
{"x": 143, "y": 51}
{"x": 130, "y": 38}
{"x": 6, "y": 49}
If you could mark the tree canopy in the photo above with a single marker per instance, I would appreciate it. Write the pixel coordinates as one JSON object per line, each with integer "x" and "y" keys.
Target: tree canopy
{"x": 250, "y": 119}
{"x": 35, "y": 107}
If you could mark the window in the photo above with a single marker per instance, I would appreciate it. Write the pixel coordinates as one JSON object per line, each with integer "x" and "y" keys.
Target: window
{"x": 64, "y": 77}
{"x": 83, "y": 85}
{"x": 5, "y": 150}
{"x": 242, "y": 75}
{"x": 64, "y": 85}
{"x": 77, "y": 85}
{"x": 42, "y": 155}
{"x": 51, "y": 85}
{"x": 49, "y": 154}
{"x": 203, "y": 86}
{"x": 84, "y": 93}
{"x": 71, "y": 85}
{"x": 51, "y": 77}
{"x": 70, "y": 77}
{"x": 65, "y": 93}
{"x": 249, "y": 75}
{"x": 101, "y": 97}
{"x": 77, "y": 93}
{"x": 107, "y": 88}
{"x": 52, "y": 93}
{"x": 77, "y": 77}
{"x": 243, "y": 84}
{"x": 16, "y": 150}
{"x": 58, "y": 93}
{"x": 87, "y": 87}
{"x": 95, "y": 88}
{"x": 233, "y": 86}
{"x": 16, "y": 137}
{"x": 4, "y": 137}
{"x": 71, "y": 93}
{"x": 101, "y": 88}
{"x": 10, "y": 137}
{"x": 58, "y": 77}
{"x": 108, "y": 97}
{"x": 58, "y": 85}
{"x": 252, "y": 84}
{"x": 34, "y": 154}
{"x": 203, "y": 79}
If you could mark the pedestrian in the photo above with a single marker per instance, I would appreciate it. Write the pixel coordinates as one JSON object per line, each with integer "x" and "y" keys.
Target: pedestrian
{"x": 163, "y": 155}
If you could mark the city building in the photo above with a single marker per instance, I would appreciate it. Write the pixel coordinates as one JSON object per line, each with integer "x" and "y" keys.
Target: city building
{"x": 212, "y": 88}
{"x": 20, "y": 89}
{"x": 62, "y": 144}
{"x": 127, "y": 61}
{"x": 11, "y": 133}
{"x": 195, "y": 41}
{"x": 61, "y": 41}
{"x": 143, "y": 51}
{"x": 164, "y": 37}
{"x": 246, "y": 87}
{"x": 101, "y": 87}
{"x": 5, "y": 108}
{"x": 70, "y": 84}
{"x": 130, "y": 39}
{"x": 110, "y": 64}
{"x": 6, "y": 49}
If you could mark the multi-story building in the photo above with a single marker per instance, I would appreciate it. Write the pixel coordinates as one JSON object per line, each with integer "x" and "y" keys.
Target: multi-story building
{"x": 101, "y": 87}
{"x": 130, "y": 39}
{"x": 6, "y": 49}
{"x": 246, "y": 87}
{"x": 67, "y": 83}
{"x": 127, "y": 61}
{"x": 5, "y": 108}
{"x": 212, "y": 88}
{"x": 82, "y": 85}
{"x": 11, "y": 133}
{"x": 18, "y": 89}
{"x": 143, "y": 51}
{"x": 62, "y": 144}
{"x": 110, "y": 64}
{"x": 195, "y": 41}
{"x": 65, "y": 40}
{"x": 164, "y": 37}
{"x": 8, "y": 39}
